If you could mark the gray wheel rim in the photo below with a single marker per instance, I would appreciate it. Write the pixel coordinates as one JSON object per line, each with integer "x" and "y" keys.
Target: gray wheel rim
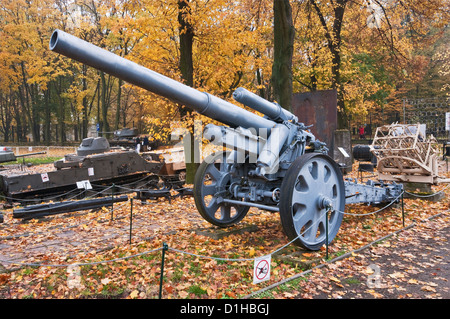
{"x": 317, "y": 184}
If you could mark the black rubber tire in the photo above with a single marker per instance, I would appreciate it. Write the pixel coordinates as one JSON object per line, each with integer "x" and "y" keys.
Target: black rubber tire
{"x": 209, "y": 212}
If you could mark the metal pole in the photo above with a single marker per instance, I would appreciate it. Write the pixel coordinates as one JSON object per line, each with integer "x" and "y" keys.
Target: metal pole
{"x": 131, "y": 216}
{"x": 403, "y": 211}
{"x": 112, "y": 202}
{"x": 165, "y": 247}
{"x": 326, "y": 233}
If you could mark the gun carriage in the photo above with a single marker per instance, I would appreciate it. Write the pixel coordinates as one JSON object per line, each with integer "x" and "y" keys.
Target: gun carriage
{"x": 273, "y": 162}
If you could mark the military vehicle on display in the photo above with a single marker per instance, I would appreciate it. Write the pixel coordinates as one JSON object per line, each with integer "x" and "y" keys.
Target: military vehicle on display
{"x": 272, "y": 162}
{"x": 125, "y": 137}
{"x": 93, "y": 162}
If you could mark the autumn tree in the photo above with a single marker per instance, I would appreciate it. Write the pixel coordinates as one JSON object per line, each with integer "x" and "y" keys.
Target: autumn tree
{"x": 228, "y": 40}
{"x": 186, "y": 33}
{"x": 373, "y": 52}
{"x": 368, "y": 45}
{"x": 331, "y": 17}
{"x": 26, "y": 61}
{"x": 283, "y": 47}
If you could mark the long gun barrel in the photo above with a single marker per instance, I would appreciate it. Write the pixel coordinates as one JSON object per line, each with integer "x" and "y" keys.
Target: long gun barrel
{"x": 204, "y": 103}
{"x": 29, "y": 154}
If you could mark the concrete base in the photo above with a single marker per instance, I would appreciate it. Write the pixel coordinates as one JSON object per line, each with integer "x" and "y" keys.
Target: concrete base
{"x": 422, "y": 189}
{"x": 342, "y": 152}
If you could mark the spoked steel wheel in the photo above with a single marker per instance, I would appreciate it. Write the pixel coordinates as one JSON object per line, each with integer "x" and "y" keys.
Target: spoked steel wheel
{"x": 312, "y": 184}
{"x": 211, "y": 184}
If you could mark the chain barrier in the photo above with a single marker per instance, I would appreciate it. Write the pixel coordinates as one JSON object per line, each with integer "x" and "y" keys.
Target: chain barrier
{"x": 63, "y": 228}
{"x": 187, "y": 253}
{"x": 282, "y": 247}
{"x": 375, "y": 212}
{"x": 249, "y": 259}
{"x": 83, "y": 263}
{"x": 428, "y": 195}
{"x": 167, "y": 248}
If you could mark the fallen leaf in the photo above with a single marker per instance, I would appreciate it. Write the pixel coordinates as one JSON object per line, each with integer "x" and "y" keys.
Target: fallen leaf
{"x": 183, "y": 294}
{"x": 105, "y": 281}
{"x": 230, "y": 294}
{"x": 428, "y": 288}
{"x": 397, "y": 275}
{"x": 374, "y": 293}
{"x": 334, "y": 279}
{"x": 169, "y": 289}
{"x": 134, "y": 294}
{"x": 4, "y": 278}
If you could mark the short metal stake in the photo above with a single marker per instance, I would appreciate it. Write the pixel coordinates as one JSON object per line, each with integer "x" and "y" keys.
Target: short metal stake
{"x": 112, "y": 202}
{"x": 326, "y": 232}
{"x": 131, "y": 216}
{"x": 403, "y": 211}
{"x": 164, "y": 249}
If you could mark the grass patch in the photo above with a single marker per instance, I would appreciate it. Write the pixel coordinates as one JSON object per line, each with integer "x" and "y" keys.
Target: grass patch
{"x": 351, "y": 281}
{"x": 197, "y": 290}
{"x": 34, "y": 160}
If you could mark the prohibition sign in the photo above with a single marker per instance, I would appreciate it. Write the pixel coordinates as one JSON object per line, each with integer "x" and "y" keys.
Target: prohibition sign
{"x": 261, "y": 271}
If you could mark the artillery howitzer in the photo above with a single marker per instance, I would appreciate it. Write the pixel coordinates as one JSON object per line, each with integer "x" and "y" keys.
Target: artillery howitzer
{"x": 274, "y": 163}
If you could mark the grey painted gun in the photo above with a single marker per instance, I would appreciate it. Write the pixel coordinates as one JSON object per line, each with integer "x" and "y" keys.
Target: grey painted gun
{"x": 273, "y": 163}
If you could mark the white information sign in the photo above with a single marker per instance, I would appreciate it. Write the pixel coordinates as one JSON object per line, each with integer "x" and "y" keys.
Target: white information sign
{"x": 44, "y": 177}
{"x": 343, "y": 152}
{"x": 84, "y": 184}
{"x": 91, "y": 171}
{"x": 261, "y": 269}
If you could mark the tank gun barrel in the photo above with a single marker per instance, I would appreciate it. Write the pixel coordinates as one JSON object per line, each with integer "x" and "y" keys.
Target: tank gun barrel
{"x": 29, "y": 154}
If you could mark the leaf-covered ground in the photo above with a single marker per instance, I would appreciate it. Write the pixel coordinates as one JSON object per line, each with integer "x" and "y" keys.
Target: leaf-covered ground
{"x": 198, "y": 266}
{"x": 413, "y": 263}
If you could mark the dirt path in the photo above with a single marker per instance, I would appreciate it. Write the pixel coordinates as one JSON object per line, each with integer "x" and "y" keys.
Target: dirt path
{"x": 415, "y": 263}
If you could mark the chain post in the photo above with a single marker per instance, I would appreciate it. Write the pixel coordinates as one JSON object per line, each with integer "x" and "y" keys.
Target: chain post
{"x": 326, "y": 232}
{"x": 164, "y": 249}
{"x": 131, "y": 217}
{"x": 403, "y": 210}
{"x": 112, "y": 202}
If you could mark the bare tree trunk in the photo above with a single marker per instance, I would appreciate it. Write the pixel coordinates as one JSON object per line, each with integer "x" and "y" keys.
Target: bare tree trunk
{"x": 333, "y": 38}
{"x": 85, "y": 104}
{"x": 187, "y": 72}
{"x": 284, "y": 32}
